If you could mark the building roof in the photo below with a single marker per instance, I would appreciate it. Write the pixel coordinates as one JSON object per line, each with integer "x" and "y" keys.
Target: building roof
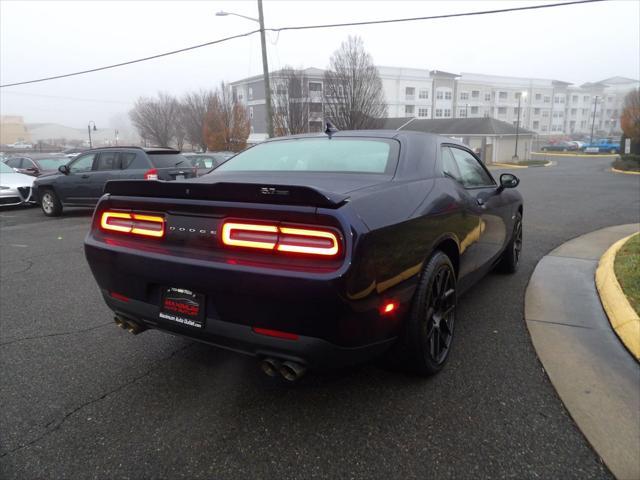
{"x": 485, "y": 126}
{"x": 309, "y": 72}
{"x": 440, "y": 73}
{"x": 618, "y": 81}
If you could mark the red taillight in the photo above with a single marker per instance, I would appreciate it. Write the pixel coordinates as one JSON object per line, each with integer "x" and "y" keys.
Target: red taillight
{"x": 309, "y": 241}
{"x": 134, "y": 223}
{"x": 275, "y": 333}
{"x": 151, "y": 174}
{"x": 119, "y": 296}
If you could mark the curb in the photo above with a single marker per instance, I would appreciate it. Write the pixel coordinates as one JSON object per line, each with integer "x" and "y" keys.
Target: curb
{"x": 626, "y": 172}
{"x": 510, "y": 165}
{"x": 622, "y": 316}
{"x": 586, "y": 155}
{"x": 591, "y": 370}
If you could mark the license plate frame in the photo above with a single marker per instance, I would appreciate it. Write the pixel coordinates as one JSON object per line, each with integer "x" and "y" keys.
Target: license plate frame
{"x": 182, "y": 307}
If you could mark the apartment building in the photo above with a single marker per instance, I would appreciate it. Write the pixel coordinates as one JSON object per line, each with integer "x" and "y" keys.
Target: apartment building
{"x": 544, "y": 106}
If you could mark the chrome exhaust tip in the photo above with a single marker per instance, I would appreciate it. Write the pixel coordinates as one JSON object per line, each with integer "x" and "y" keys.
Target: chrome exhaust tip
{"x": 120, "y": 322}
{"x": 270, "y": 367}
{"x": 292, "y": 371}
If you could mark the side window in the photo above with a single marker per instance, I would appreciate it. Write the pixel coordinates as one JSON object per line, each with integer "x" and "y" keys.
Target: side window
{"x": 472, "y": 174}
{"x": 82, "y": 163}
{"x": 126, "y": 159}
{"x": 107, "y": 161}
{"x": 27, "y": 163}
{"x": 449, "y": 166}
{"x": 14, "y": 162}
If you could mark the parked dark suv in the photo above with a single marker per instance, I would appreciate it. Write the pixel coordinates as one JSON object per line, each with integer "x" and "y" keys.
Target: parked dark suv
{"x": 80, "y": 183}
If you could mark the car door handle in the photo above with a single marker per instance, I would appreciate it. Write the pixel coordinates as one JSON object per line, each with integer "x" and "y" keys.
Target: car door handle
{"x": 84, "y": 176}
{"x": 480, "y": 202}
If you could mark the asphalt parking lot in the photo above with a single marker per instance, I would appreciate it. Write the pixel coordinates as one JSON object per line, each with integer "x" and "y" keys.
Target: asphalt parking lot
{"x": 81, "y": 398}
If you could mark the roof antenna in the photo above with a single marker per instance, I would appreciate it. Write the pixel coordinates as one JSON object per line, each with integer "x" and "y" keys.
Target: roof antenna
{"x": 330, "y": 130}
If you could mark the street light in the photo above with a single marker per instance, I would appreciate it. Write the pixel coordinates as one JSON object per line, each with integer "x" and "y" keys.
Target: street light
{"x": 265, "y": 65}
{"x": 515, "y": 154}
{"x": 89, "y": 130}
{"x": 593, "y": 122}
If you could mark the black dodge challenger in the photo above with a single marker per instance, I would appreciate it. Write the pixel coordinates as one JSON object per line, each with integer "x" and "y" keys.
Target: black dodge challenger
{"x": 310, "y": 251}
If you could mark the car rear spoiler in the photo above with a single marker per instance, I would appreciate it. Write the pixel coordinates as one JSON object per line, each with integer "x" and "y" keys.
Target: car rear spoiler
{"x": 227, "y": 192}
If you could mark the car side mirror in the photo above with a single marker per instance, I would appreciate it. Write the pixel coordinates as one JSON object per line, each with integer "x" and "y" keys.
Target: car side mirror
{"x": 63, "y": 169}
{"x": 508, "y": 180}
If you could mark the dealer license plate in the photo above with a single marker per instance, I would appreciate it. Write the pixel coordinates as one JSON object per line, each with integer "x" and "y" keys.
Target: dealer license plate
{"x": 182, "y": 306}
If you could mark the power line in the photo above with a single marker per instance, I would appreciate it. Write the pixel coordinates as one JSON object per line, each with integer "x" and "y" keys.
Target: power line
{"x": 75, "y": 99}
{"x": 166, "y": 54}
{"x": 304, "y": 27}
{"x": 433, "y": 17}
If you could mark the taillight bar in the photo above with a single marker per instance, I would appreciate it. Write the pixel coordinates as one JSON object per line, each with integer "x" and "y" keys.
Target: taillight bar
{"x": 133, "y": 223}
{"x": 310, "y": 241}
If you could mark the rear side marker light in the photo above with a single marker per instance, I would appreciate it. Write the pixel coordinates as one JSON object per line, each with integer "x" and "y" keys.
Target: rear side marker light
{"x": 388, "y": 308}
{"x": 133, "y": 223}
{"x": 275, "y": 333}
{"x": 283, "y": 239}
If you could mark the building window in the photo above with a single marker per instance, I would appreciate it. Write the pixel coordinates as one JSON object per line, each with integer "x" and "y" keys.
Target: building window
{"x": 574, "y": 112}
{"x": 487, "y": 97}
{"x": 439, "y": 95}
{"x": 502, "y": 95}
{"x": 438, "y": 113}
{"x": 536, "y": 111}
{"x": 556, "y": 99}
{"x": 502, "y": 110}
{"x": 554, "y": 128}
{"x": 583, "y": 123}
{"x": 517, "y": 95}
{"x": 475, "y": 93}
{"x": 409, "y": 109}
{"x": 315, "y": 86}
{"x": 447, "y": 95}
{"x": 562, "y": 99}
{"x": 536, "y": 125}
{"x": 423, "y": 94}
{"x": 574, "y": 99}
{"x": 315, "y": 107}
{"x": 538, "y": 96}
{"x": 464, "y": 96}
{"x": 547, "y": 99}
{"x": 585, "y": 98}
{"x": 474, "y": 110}
{"x": 251, "y": 112}
{"x": 544, "y": 128}
{"x": 250, "y": 93}
{"x": 545, "y": 114}
{"x": 560, "y": 114}
{"x": 447, "y": 112}
{"x": 462, "y": 113}
{"x": 409, "y": 93}
{"x": 555, "y": 115}
{"x": 240, "y": 97}
{"x": 585, "y": 111}
{"x": 423, "y": 112}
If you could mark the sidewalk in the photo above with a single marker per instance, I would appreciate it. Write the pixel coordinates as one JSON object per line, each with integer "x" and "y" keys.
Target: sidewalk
{"x": 595, "y": 376}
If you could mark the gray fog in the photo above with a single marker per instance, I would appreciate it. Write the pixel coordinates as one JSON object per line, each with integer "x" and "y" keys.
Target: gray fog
{"x": 577, "y": 43}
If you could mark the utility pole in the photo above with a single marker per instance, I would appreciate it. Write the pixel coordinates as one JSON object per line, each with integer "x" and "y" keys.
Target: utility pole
{"x": 593, "y": 122}
{"x": 265, "y": 72}
{"x": 515, "y": 154}
{"x": 89, "y": 130}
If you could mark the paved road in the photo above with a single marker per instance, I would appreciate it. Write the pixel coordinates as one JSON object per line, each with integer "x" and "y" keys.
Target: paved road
{"x": 80, "y": 398}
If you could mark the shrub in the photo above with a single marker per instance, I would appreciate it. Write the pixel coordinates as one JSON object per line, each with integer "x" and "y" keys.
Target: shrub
{"x": 630, "y": 161}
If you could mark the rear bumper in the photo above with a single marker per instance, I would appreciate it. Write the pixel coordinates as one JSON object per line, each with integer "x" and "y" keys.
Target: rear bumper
{"x": 313, "y": 352}
{"x": 332, "y": 330}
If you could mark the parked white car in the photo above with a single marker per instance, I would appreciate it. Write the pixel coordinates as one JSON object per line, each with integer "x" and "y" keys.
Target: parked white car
{"x": 20, "y": 145}
{"x": 15, "y": 188}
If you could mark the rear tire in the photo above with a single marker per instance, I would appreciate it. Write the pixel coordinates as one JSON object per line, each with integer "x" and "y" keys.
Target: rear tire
{"x": 425, "y": 342}
{"x": 511, "y": 255}
{"x": 50, "y": 203}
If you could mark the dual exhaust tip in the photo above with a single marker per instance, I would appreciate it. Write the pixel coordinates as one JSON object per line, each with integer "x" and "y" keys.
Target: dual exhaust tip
{"x": 129, "y": 325}
{"x": 290, "y": 371}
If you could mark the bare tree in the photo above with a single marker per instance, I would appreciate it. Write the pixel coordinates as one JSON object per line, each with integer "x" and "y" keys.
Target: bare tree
{"x": 193, "y": 113}
{"x": 227, "y": 123}
{"x": 353, "y": 95}
{"x": 630, "y": 119}
{"x": 156, "y": 119}
{"x": 290, "y": 102}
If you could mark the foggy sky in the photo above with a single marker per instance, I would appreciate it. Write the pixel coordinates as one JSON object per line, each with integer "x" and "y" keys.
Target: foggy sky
{"x": 574, "y": 43}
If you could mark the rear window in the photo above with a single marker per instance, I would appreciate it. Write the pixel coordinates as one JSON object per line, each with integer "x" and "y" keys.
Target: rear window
{"x": 348, "y": 155}
{"x": 167, "y": 160}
